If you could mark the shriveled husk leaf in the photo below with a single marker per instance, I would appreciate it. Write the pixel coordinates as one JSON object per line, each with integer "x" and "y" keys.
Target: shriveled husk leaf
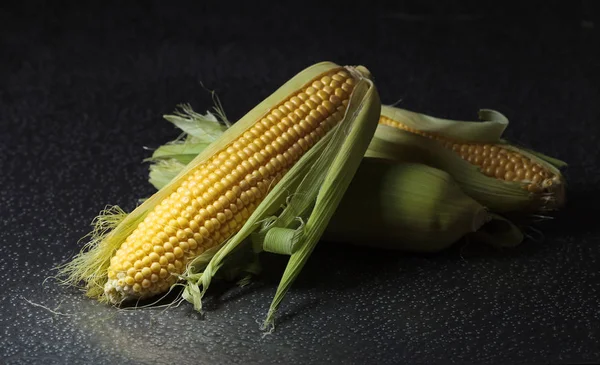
{"x": 488, "y": 130}
{"x": 406, "y": 206}
{"x": 498, "y": 195}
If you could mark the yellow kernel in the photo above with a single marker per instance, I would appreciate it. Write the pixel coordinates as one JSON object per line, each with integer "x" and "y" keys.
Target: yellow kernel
{"x": 154, "y": 278}
{"x": 181, "y": 235}
{"x": 184, "y": 246}
{"x": 139, "y": 277}
{"x": 163, "y": 261}
{"x": 204, "y": 232}
{"x": 338, "y": 78}
{"x": 170, "y": 256}
{"x": 317, "y": 84}
{"x": 137, "y": 288}
{"x": 340, "y": 93}
{"x": 178, "y": 252}
{"x": 146, "y": 283}
{"x": 159, "y": 250}
{"x": 155, "y": 267}
{"x": 129, "y": 281}
{"x": 182, "y": 222}
{"x": 163, "y": 273}
{"x": 146, "y": 272}
{"x": 192, "y": 244}
{"x": 178, "y": 264}
{"x": 316, "y": 99}
{"x": 499, "y": 173}
{"x": 168, "y": 247}
{"x": 146, "y": 261}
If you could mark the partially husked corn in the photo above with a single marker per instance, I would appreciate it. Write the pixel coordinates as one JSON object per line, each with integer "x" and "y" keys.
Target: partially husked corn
{"x": 219, "y": 195}
{"x": 494, "y": 160}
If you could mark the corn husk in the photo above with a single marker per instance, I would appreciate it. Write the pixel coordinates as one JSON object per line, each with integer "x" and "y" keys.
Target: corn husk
{"x": 407, "y": 206}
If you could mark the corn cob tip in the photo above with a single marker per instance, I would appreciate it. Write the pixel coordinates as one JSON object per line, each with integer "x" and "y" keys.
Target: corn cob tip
{"x": 112, "y": 292}
{"x": 116, "y": 293}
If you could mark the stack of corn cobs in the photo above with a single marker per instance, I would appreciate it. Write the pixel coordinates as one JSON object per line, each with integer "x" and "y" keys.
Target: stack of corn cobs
{"x": 319, "y": 158}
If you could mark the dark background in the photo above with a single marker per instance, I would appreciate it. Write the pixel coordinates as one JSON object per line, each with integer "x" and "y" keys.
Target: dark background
{"x": 83, "y": 89}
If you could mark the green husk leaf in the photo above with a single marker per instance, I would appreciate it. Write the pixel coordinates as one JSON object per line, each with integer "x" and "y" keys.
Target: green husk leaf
{"x": 498, "y": 232}
{"x": 489, "y": 129}
{"x": 203, "y": 128}
{"x": 404, "y": 206}
{"x": 183, "y": 152}
{"x": 164, "y": 171}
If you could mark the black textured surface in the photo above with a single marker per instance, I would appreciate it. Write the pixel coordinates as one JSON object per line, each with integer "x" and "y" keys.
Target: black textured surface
{"x": 82, "y": 90}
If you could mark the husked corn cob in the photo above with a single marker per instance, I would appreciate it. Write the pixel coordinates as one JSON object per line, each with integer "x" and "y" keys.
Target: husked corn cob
{"x": 494, "y": 160}
{"x": 219, "y": 195}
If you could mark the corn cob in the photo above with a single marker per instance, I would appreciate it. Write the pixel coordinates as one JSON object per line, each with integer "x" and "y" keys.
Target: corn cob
{"x": 220, "y": 195}
{"x": 214, "y": 196}
{"x": 501, "y": 176}
{"x": 494, "y": 160}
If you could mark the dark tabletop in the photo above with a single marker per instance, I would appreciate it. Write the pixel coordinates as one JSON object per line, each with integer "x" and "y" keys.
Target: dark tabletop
{"x": 82, "y": 92}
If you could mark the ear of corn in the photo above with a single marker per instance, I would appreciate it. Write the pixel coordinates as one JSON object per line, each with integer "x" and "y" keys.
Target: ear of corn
{"x": 323, "y": 119}
{"x": 407, "y": 206}
{"x": 501, "y": 176}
